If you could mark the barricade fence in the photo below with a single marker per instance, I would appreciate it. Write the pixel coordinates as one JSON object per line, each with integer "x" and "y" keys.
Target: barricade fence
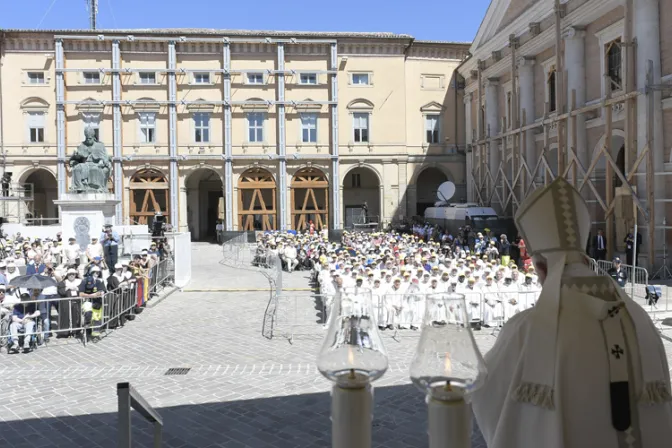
{"x": 85, "y": 317}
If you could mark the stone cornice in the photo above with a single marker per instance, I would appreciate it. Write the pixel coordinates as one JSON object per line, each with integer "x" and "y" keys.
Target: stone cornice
{"x": 582, "y": 15}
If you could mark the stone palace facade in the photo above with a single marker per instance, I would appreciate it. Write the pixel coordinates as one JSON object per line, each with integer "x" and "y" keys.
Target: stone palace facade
{"x": 263, "y": 130}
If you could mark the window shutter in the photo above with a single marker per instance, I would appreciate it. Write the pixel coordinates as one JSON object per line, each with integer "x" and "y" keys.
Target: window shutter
{"x": 371, "y": 78}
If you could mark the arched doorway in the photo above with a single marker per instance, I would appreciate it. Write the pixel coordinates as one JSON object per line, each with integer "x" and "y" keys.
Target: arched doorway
{"x": 361, "y": 186}
{"x": 256, "y": 200}
{"x": 41, "y": 186}
{"x": 427, "y": 185}
{"x": 310, "y": 199}
{"x": 205, "y": 203}
{"x": 149, "y": 194}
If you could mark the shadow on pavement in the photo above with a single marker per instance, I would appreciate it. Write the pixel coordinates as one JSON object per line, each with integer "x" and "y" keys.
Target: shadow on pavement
{"x": 290, "y": 421}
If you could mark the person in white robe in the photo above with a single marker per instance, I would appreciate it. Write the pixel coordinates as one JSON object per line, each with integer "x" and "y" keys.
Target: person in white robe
{"x": 416, "y": 300}
{"x": 493, "y": 309}
{"x": 472, "y": 296}
{"x": 511, "y": 297}
{"x": 377, "y": 297}
{"x": 584, "y": 368}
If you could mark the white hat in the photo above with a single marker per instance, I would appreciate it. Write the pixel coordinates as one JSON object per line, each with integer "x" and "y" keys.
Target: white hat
{"x": 72, "y": 271}
{"x": 95, "y": 269}
{"x": 118, "y": 266}
{"x": 3, "y": 264}
{"x": 554, "y": 221}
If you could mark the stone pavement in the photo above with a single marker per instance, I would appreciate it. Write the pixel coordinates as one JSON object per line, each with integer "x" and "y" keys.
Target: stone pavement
{"x": 243, "y": 390}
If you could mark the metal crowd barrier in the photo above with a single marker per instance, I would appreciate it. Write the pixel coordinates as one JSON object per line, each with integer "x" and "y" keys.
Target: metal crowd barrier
{"x": 296, "y": 315}
{"x": 117, "y": 306}
{"x": 128, "y": 398}
{"x": 637, "y": 288}
{"x": 300, "y": 315}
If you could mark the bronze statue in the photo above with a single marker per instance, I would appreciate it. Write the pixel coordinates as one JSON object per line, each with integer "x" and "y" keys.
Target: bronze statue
{"x": 90, "y": 165}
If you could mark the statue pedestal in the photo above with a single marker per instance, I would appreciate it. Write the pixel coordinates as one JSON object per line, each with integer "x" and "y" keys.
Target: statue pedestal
{"x": 83, "y": 215}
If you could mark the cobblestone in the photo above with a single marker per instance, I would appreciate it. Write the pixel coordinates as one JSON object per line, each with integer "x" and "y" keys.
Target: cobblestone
{"x": 243, "y": 390}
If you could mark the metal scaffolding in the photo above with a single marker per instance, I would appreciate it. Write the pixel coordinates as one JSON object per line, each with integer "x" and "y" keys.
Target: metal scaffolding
{"x": 495, "y": 186}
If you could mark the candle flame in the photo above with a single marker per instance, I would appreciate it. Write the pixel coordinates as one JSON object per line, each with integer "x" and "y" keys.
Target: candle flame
{"x": 448, "y": 365}
{"x": 351, "y": 356}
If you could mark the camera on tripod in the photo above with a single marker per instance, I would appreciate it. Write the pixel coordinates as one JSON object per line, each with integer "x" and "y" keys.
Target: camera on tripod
{"x": 158, "y": 226}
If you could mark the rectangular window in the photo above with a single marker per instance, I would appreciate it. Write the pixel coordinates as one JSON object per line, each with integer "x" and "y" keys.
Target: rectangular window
{"x": 255, "y": 127}
{"x": 36, "y": 127}
{"x": 202, "y": 78}
{"x": 613, "y": 52}
{"x": 432, "y": 129}
{"x": 147, "y": 77}
{"x": 91, "y": 77}
{"x": 361, "y": 127}
{"x": 361, "y": 79}
{"x": 147, "y": 127}
{"x": 308, "y": 79}
{"x": 551, "y": 89}
{"x": 36, "y": 78}
{"x": 356, "y": 180}
{"x": 201, "y": 127}
{"x": 309, "y": 128}
{"x": 92, "y": 120}
{"x": 255, "y": 78}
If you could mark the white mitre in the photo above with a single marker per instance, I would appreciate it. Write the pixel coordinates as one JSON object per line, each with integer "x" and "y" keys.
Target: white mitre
{"x": 554, "y": 222}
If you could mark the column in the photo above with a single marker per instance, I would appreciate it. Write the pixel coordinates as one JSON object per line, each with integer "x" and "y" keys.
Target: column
{"x": 116, "y": 131}
{"x": 575, "y": 64}
{"x": 228, "y": 148}
{"x": 60, "y": 119}
{"x": 526, "y": 86}
{"x": 282, "y": 150}
{"x": 492, "y": 123}
{"x": 468, "y": 133}
{"x": 172, "y": 132}
{"x": 402, "y": 166}
{"x": 335, "y": 175}
{"x": 646, "y": 30}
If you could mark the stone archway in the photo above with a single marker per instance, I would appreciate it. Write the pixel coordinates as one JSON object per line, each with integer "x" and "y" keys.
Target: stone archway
{"x": 149, "y": 194}
{"x": 310, "y": 199}
{"x": 361, "y": 185}
{"x": 40, "y": 192}
{"x": 427, "y": 185}
{"x": 257, "y": 201}
{"x": 205, "y": 203}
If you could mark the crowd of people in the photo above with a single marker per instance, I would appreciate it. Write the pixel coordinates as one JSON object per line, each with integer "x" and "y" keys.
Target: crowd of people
{"x": 401, "y": 268}
{"x": 86, "y": 273}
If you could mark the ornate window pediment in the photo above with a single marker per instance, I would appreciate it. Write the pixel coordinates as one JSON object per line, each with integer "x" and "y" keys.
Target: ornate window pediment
{"x": 35, "y": 104}
{"x": 360, "y": 104}
{"x": 433, "y": 107}
{"x": 90, "y": 105}
{"x": 202, "y": 107}
{"x": 257, "y": 104}
{"x": 303, "y": 107}
{"x": 146, "y": 105}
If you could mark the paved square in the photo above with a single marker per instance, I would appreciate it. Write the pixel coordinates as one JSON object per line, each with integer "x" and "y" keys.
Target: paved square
{"x": 243, "y": 390}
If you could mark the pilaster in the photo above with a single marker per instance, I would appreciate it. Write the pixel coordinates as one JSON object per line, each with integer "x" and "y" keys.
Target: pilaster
{"x": 526, "y": 87}
{"x": 282, "y": 153}
{"x": 172, "y": 133}
{"x": 60, "y": 119}
{"x": 335, "y": 175}
{"x": 576, "y": 81}
{"x": 116, "y": 132}
{"x": 228, "y": 148}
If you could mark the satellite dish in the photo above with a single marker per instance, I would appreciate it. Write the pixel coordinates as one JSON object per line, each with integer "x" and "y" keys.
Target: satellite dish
{"x": 446, "y": 191}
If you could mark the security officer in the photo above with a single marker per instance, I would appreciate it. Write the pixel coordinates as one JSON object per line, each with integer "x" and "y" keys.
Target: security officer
{"x": 618, "y": 273}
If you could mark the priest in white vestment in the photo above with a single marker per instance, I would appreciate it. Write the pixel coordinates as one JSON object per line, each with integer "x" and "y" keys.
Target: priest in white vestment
{"x": 585, "y": 367}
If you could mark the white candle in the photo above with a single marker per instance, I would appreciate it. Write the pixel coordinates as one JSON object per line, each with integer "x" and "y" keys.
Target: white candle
{"x": 351, "y": 412}
{"x": 449, "y": 417}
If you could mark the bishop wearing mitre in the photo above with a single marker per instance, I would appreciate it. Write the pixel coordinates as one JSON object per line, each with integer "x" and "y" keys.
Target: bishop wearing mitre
{"x": 585, "y": 367}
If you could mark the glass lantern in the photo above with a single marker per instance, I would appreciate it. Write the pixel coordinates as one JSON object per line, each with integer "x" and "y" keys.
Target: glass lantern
{"x": 447, "y": 365}
{"x": 353, "y": 354}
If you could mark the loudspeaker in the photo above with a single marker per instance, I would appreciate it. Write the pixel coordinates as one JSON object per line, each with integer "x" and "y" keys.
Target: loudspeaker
{"x": 336, "y": 236}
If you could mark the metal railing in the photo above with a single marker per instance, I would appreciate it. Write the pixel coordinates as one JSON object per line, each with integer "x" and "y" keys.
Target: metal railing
{"x": 637, "y": 277}
{"x": 96, "y": 316}
{"x": 128, "y": 398}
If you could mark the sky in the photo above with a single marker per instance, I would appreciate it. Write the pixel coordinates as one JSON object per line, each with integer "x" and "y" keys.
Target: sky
{"x": 449, "y": 20}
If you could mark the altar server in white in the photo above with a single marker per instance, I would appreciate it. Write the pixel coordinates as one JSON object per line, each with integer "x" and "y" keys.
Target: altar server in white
{"x": 583, "y": 368}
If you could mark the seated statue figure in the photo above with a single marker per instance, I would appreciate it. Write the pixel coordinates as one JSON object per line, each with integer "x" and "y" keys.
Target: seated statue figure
{"x": 90, "y": 165}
